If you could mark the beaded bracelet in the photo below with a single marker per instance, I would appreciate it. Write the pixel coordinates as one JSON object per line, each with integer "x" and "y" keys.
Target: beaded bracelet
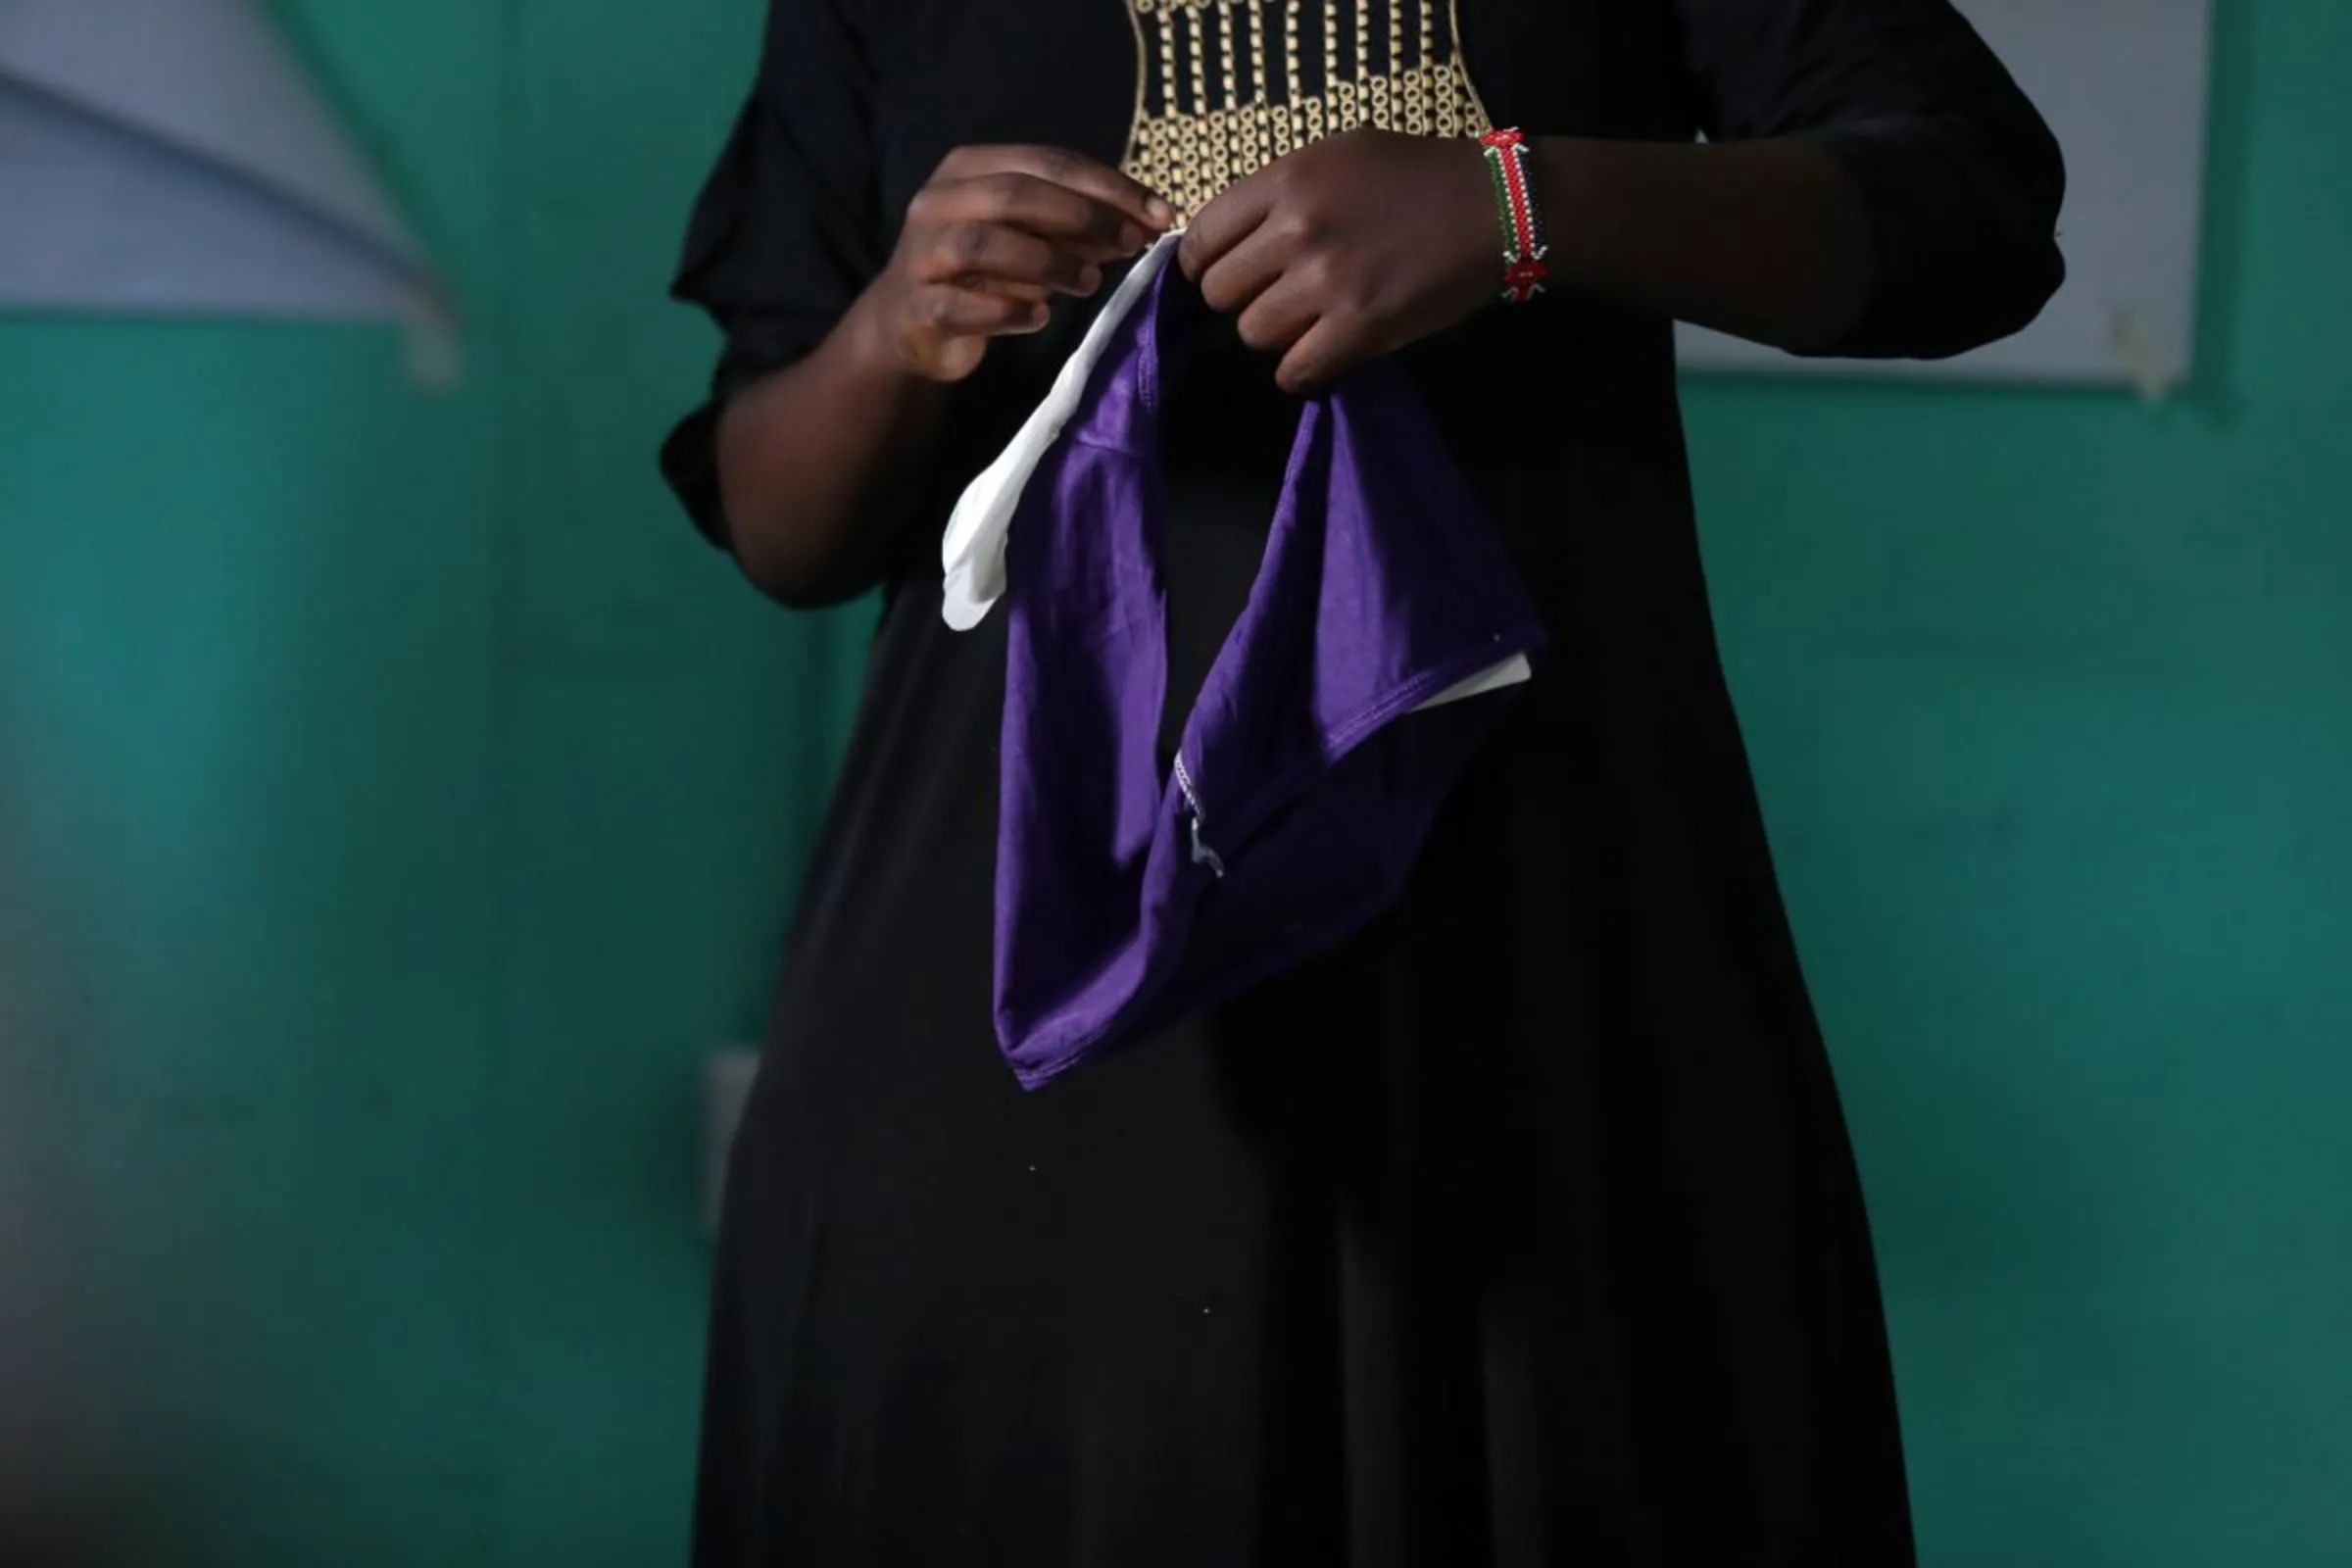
{"x": 1524, "y": 269}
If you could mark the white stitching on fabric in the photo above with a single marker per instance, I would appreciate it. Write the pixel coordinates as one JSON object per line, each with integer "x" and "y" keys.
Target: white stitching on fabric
{"x": 1203, "y": 855}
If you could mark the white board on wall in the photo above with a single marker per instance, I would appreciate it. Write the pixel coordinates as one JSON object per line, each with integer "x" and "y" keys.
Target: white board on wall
{"x": 172, "y": 157}
{"x": 2124, "y": 85}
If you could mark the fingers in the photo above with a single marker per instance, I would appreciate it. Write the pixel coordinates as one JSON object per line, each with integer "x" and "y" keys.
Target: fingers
{"x": 1225, "y": 223}
{"x": 983, "y": 253}
{"x": 1327, "y": 352}
{"x": 1280, "y": 316}
{"x": 952, "y": 311}
{"x": 993, "y": 237}
{"x": 944, "y": 329}
{"x": 1249, "y": 265}
{"x": 1294, "y": 321}
{"x": 1072, "y": 171}
{"x": 1027, "y": 293}
{"x": 1233, "y": 282}
{"x": 1036, "y": 206}
{"x": 1027, "y": 221}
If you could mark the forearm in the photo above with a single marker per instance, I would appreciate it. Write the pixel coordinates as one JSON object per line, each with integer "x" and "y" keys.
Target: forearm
{"x": 1769, "y": 240}
{"x": 820, "y": 465}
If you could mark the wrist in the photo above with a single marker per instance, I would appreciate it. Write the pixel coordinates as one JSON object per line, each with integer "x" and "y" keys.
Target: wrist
{"x": 868, "y": 342}
{"x": 1573, "y": 182}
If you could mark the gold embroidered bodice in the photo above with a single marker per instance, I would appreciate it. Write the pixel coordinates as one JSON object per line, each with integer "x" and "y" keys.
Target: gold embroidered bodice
{"x": 1224, "y": 87}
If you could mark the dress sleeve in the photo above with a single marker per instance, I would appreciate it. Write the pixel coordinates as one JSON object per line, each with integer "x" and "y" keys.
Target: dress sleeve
{"x": 1963, "y": 178}
{"x": 786, "y": 230}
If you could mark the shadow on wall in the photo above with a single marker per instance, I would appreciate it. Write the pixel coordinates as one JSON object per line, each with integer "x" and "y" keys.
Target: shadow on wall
{"x": 55, "y": 1491}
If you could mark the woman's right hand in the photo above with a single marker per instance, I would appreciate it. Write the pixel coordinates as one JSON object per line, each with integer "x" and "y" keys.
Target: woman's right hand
{"x": 989, "y": 242}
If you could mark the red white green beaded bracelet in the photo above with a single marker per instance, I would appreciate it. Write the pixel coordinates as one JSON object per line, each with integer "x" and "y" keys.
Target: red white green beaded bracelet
{"x": 1524, "y": 269}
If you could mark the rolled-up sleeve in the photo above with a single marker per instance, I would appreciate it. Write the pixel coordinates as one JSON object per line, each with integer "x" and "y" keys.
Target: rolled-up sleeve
{"x": 786, "y": 230}
{"x": 1963, "y": 178}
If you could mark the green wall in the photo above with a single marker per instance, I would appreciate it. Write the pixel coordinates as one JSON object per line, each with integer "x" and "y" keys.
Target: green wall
{"x": 2051, "y": 701}
{"x": 395, "y": 802}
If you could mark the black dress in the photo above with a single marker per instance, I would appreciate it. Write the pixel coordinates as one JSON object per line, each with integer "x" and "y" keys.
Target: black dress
{"x": 1524, "y": 1229}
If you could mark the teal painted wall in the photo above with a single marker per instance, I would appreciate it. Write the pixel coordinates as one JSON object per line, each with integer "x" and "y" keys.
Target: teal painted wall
{"x": 2050, "y": 698}
{"x": 394, "y": 803}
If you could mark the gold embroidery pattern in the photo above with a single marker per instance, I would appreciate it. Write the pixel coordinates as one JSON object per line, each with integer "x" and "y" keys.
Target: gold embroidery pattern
{"x": 1212, "y": 106}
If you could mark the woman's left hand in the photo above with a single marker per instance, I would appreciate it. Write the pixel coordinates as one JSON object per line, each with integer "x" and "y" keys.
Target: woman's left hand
{"x": 1348, "y": 249}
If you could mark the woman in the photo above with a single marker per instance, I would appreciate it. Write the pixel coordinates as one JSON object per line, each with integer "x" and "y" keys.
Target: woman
{"x": 1523, "y": 1228}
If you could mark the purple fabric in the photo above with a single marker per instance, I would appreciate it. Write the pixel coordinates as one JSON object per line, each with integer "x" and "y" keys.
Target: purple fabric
{"x": 1129, "y": 896}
